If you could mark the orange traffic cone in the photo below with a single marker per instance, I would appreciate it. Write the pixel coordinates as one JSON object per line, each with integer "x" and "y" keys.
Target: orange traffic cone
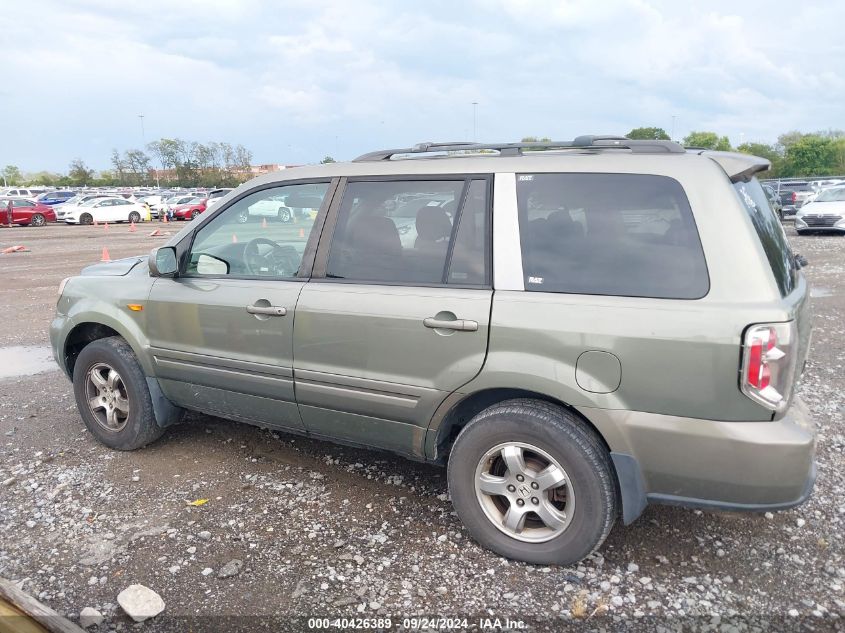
{"x": 301, "y": 232}
{"x": 132, "y": 228}
{"x": 164, "y": 218}
{"x": 15, "y": 249}
{"x": 263, "y": 223}
{"x": 155, "y": 233}
{"x": 234, "y": 239}
{"x": 105, "y": 257}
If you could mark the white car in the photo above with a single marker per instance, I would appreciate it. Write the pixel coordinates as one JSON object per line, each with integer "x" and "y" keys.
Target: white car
{"x": 111, "y": 209}
{"x": 215, "y": 195}
{"x": 826, "y": 212}
{"x": 19, "y": 193}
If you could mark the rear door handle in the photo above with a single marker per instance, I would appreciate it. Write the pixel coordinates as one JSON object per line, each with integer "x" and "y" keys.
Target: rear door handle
{"x": 267, "y": 310}
{"x": 462, "y": 325}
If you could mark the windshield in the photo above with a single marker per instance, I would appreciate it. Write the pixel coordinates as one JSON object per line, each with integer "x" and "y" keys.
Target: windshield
{"x": 832, "y": 195}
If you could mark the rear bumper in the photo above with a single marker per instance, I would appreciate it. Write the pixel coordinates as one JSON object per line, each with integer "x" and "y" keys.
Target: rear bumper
{"x": 744, "y": 466}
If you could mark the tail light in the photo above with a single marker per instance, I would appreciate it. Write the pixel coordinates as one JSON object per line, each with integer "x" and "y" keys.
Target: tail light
{"x": 794, "y": 197}
{"x": 768, "y": 364}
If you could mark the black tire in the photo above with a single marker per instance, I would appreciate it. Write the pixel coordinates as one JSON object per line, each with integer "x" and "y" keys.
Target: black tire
{"x": 140, "y": 427}
{"x": 284, "y": 214}
{"x": 38, "y": 220}
{"x": 577, "y": 450}
{"x": 86, "y": 218}
{"x": 194, "y": 214}
{"x": 135, "y": 217}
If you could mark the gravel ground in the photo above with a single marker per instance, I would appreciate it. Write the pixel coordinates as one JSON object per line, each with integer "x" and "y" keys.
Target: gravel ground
{"x": 295, "y": 528}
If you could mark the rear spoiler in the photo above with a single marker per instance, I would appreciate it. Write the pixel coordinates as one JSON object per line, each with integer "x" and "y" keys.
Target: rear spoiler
{"x": 739, "y": 167}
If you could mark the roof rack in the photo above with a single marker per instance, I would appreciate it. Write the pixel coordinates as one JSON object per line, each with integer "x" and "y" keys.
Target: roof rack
{"x": 517, "y": 149}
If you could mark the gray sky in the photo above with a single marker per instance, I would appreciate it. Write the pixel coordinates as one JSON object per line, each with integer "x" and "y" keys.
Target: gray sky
{"x": 294, "y": 81}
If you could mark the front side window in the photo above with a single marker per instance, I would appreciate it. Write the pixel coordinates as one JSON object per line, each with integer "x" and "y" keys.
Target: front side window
{"x": 411, "y": 232}
{"x": 627, "y": 235}
{"x": 259, "y": 235}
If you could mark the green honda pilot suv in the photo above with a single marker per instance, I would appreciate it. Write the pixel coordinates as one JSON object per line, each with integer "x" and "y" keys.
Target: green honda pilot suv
{"x": 575, "y": 329}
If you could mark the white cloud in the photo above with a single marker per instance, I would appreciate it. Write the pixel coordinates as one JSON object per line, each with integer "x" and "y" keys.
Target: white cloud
{"x": 295, "y": 81}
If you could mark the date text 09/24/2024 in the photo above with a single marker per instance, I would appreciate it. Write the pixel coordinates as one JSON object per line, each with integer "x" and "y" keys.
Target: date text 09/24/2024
{"x": 418, "y": 623}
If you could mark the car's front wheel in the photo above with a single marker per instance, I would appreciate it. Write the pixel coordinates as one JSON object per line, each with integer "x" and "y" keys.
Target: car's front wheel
{"x": 112, "y": 395}
{"x": 284, "y": 214}
{"x": 135, "y": 217}
{"x": 86, "y": 218}
{"x": 532, "y": 483}
{"x": 38, "y": 220}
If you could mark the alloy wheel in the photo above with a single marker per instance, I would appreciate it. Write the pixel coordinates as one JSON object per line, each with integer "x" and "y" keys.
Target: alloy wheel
{"x": 524, "y": 492}
{"x": 107, "y": 397}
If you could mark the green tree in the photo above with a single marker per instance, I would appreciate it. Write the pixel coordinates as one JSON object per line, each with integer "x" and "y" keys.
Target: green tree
{"x": 327, "y": 159}
{"x": 707, "y": 140}
{"x": 79, "y": 173}
{"x": 769, "y": 152}
{"x": 812, "y": 155}
{"x": 12, "y": 175}
{"x": 649, "y": 134}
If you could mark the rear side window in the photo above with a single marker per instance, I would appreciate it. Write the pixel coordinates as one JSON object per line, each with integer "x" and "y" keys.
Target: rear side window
{"x": 770, "y": 231}
{"x": 627, "y": 235}
{"x": 415, "y": 232}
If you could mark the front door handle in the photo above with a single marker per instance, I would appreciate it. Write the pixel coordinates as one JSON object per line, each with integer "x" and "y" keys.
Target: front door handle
{"x": 267, "y": 310}
{"x": 462, "y": 325}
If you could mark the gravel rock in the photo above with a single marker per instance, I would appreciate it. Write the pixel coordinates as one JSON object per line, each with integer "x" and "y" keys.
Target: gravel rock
{"x": 232, "y": 568}
{"x": 90, "y": 617}
{"x": 140, "y": 603}
{"x": 205, "y": 535}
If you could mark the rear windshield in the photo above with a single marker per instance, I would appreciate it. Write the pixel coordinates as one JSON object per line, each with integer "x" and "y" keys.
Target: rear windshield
{"x": 609, "y": 234}
{"x": 770, "y": 231}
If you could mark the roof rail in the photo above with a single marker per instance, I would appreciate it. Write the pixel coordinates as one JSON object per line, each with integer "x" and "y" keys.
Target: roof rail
{"x": 516, "y": 149}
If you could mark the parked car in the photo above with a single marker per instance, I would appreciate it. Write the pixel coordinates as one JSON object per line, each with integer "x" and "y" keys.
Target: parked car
{"x": 55, "y": 197}
{"x": 774, "y": 200}
{"x": 112, "y": 209}
{"x": 793, "y": 194}
{"x": 64, "y": 208}
{"x": 168, "y": 206}
{"x": 26, "y": 212}
{"x": 282, "y": 208}
{"x": 190, "y": 209}
{"x": 215, "y": 195}
{"x": 17, "y": 192}
{"x": 567, "y": 332}
{"x": 825, "y": 213}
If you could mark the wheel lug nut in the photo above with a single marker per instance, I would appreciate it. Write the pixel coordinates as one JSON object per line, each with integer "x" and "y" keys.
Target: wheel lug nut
{"x": 520, "y": 502}
{"x": 520, "y": 478}
{"x": 535, "y": 500}
{"x": 535, "y": 485}
{"x": 511, "y": 488}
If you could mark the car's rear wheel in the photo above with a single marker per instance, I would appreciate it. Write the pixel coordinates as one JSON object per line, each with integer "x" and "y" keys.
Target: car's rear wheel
{"x": 112, "y": 395}
{"x": 532, "y": 483}
{"x": 194, "y": 214}
{"x": 86, "y": 218}
{"x": 284, "y": 214}
{"x": 135, "y": 217}
{"x": 38, "y": 220}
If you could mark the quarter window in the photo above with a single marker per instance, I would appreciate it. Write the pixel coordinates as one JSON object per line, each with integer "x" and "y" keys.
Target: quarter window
{"x": 609, "y": 234}
{"x": 261, "y": 235}
{"x": 412, "y": 232}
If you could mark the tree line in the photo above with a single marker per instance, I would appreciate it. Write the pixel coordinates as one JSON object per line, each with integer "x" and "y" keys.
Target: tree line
{"x": 170, "y": 162}
{"x": 795, "y": 154}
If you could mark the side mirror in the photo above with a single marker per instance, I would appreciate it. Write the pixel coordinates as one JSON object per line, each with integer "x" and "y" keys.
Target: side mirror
{"x": 162, "y": 262}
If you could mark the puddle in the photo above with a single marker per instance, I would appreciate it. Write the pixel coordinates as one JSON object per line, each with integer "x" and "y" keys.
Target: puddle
{"x": 820, "y": 291}
{"x": 25, "y": 360}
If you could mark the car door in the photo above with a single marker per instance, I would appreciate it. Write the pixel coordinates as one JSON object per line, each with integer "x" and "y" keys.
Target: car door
{"x": 384, "y": 332}
{"x": 221, "y": 332}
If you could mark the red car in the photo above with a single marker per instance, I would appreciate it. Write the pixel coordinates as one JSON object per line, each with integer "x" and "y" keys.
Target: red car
{"x": 26, "y": 212}
{"x": 190, "y": 209}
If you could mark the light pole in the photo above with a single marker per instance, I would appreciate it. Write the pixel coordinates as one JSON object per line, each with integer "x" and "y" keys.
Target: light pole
{"x": 143, "y": 136}
{"x": 475, "y": 121}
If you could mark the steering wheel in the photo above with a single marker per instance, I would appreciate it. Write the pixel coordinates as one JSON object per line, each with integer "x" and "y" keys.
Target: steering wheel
{"x": 280, "y": 260}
